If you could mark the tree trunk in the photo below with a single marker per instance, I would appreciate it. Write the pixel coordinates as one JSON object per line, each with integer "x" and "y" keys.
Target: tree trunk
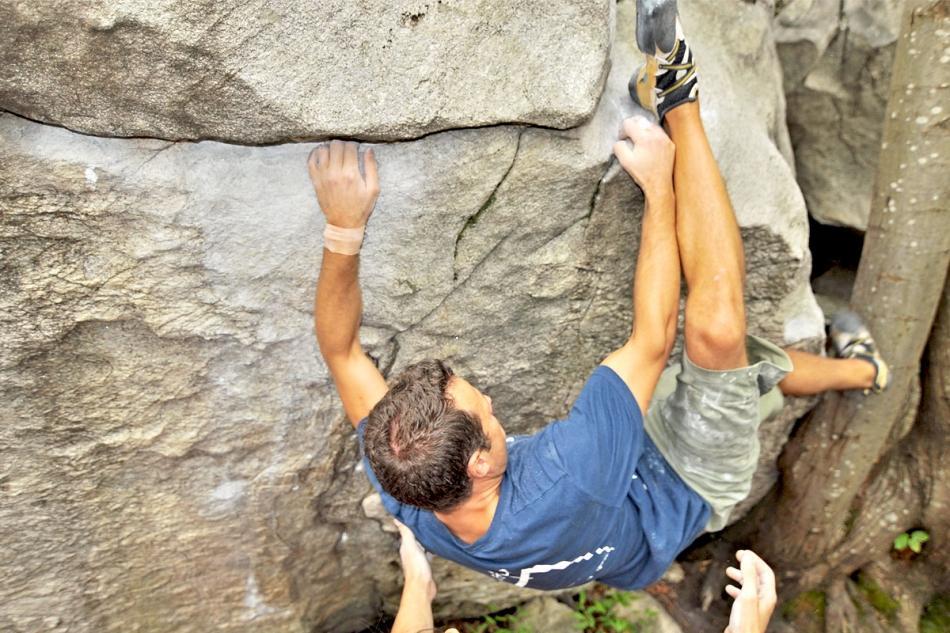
{"x": 899, "y": 285}
{"x": 909, "y": 489}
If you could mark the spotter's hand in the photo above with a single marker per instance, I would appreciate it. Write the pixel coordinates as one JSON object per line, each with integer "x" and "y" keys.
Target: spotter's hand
{"x": 415, "y": 563}
{"x": 346, "y": 196}
{"x": 755, "y": 601}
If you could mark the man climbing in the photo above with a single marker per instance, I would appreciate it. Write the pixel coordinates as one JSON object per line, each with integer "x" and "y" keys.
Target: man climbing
{"x": 606, "y": 493}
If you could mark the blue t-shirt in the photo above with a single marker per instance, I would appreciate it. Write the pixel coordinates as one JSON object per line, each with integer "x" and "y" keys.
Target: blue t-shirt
{"x": 588, "y": 497}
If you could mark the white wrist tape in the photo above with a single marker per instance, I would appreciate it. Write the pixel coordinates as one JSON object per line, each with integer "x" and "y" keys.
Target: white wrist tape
{"x": 336, "y": 239}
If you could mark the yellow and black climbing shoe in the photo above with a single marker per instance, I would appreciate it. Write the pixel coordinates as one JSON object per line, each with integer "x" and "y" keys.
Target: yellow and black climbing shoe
{"x": 668, "y": 78}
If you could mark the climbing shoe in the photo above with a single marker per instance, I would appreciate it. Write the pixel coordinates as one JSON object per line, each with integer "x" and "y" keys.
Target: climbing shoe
{"x": 668, "y": 78}
{"x": 850, "y": 338}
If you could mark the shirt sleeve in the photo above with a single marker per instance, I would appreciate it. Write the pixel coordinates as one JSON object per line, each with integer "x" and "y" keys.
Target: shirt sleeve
{"x": 601, "y": 440}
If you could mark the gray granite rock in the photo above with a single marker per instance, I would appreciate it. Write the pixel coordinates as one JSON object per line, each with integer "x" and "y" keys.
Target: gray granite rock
{"x": 267, "y": 72}
{"x": 545, "y": 614}
{"x": 833, "y": 289}
{"x": 172, "y": 416}
{"x": 175, "y": 454}
{"x": 647, "y": 611}
{"x": 837, "y": 60}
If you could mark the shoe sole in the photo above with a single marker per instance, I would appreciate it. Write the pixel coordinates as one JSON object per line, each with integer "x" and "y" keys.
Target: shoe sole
{"x": 645, "y": 85}
{"x": 656, "y": 25}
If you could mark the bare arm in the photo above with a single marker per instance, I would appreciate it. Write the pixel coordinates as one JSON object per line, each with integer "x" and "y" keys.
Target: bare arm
{"x": 347, "y": 200}
{"x": 418, "y": 590}
{"x": 415, "y": 607}
{"x": 657, "y": 279}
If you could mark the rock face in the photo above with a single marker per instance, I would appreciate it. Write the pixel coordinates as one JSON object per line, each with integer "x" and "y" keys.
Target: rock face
{"x": 646, "y": 609}
{"x": 837, "y": 59}
{"x": 175, "y": 454}
{"x": 266, "y": 72}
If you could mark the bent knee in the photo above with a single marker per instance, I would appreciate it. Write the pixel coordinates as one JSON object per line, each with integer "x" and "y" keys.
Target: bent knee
{"x": 718, "y": 341}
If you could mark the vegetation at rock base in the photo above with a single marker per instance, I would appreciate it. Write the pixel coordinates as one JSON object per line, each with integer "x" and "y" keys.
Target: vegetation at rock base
{"x": 806, "y": 611}
{"x": 598, "y": 609}
{"x": 911, "y": 540}
{"x": 597, "y": 612}
{"x": 936, "y": 615}
{"x": 498, "y": 623}
{"x": 882, "y": 602}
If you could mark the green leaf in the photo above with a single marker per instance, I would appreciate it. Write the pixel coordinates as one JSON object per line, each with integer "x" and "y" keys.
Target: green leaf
{"x": 920, "y": 536}
{"x": 902, "y": 541}
{"x": 915, "y": 547}
{"x": 584, "y": 620}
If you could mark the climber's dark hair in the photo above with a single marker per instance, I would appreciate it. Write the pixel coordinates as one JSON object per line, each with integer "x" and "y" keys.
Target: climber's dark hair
{"x": 418, "y": 444}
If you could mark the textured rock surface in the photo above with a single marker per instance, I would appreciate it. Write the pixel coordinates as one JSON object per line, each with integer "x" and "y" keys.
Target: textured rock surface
{"x": 647, "y": 609}
{"x": 546, "y": 614}
{"x": 264, "y": 72}
{"x": 174, "y": 453}
{"x": 837, "y": 59}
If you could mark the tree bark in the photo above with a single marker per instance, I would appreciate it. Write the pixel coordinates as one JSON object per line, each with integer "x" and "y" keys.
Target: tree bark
{"x": 911, "y": 489}
{"x": 899, "y": 285}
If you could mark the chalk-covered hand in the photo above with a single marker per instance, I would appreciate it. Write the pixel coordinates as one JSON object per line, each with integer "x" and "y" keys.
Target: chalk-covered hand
{"x": 755, "y": 601}
{"x": 346, "y": 196}
{"x": 646, "y": 153}
{"x": 415, "y": 564}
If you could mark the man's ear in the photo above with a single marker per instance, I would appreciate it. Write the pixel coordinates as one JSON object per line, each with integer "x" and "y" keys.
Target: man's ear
{"x": 478, "y": 466}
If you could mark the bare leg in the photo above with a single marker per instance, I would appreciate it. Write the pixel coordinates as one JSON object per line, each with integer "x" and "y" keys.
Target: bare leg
{"x": 710, "y": 248}
{"x": 814, "y": 374}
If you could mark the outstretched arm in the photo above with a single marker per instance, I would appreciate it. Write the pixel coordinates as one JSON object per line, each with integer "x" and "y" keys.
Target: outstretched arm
{"x": 347, "y": 199}
{"x": 418, "y": 590}
{"x": 657, "y": 279}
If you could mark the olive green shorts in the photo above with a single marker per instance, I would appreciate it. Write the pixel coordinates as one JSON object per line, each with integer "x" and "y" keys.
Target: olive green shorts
{"x": 705, "y": 423}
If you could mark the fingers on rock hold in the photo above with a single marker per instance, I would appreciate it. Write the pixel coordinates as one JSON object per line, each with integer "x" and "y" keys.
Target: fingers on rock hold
{"x": 624, "y": 152}
{"x": 637, "y": 127}
{"x": 336, "y": 154}
{"x": 350, "y": 155}
{"x": 371, "y": 170}
{"x": 319, "y": 157}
